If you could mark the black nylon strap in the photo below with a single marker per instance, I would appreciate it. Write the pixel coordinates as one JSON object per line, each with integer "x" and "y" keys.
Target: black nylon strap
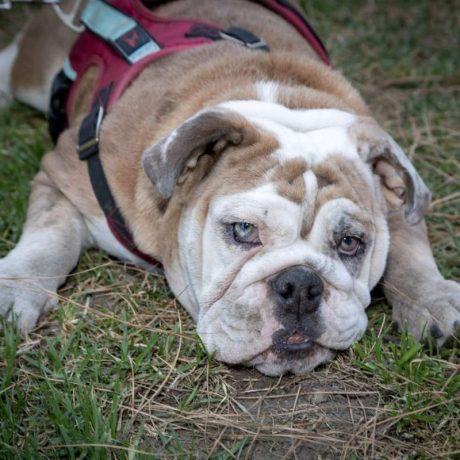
{"x": 88, "y": 135}
{"x": 57, "y": 116}
{"x": 236, "y": 34}
{"x": 244, "y": 37}
{"x": 202, "y": 30}
{"x": 88, "y": 150}
{"x": 100, "y": 186}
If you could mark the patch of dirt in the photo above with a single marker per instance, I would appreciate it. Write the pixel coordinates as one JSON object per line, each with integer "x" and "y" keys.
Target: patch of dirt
{"x": 332, "y": 413}
{"x": 316, "y": 416}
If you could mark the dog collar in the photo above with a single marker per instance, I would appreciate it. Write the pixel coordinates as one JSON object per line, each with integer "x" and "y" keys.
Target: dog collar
{"x": 121, "y": 38}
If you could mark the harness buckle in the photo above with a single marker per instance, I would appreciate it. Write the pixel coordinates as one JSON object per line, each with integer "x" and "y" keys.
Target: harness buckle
{"x": 88, "y": 138}
{"x": 244, "y": 37}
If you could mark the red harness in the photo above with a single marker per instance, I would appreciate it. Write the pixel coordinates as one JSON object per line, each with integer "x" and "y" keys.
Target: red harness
{"x": 171, "y": 34}
{"x": 121, "y": 58}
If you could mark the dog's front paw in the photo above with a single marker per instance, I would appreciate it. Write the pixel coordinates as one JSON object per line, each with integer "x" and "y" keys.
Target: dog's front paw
{"x": 434, "y": 314}
{"x": 23, "y": 298}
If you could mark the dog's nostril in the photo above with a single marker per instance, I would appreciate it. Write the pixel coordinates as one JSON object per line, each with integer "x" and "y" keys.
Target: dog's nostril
{"x": 315, "y": 291}
{"x": 286, "y": 290}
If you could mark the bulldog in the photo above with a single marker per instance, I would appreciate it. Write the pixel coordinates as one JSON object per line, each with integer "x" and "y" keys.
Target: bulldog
{"x": 259, "y": 180}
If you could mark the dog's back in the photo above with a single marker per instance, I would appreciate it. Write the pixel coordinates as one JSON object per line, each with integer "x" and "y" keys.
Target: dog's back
{"x": 29, "y": 64}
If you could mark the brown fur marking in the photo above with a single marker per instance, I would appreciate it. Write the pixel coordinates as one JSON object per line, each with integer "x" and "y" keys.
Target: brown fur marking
{"x": 339, "y": 177}
{"x": 289, "y": 180}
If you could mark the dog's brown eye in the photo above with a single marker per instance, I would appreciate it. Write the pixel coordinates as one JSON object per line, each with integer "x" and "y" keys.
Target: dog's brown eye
{"x": 243, "y": 232}
{"x": 349, "y": 245}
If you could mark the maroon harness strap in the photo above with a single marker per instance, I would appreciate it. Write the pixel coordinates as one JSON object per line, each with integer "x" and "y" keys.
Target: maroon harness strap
{"x": 117, "y": 69}
{"x": 287, "y": 11}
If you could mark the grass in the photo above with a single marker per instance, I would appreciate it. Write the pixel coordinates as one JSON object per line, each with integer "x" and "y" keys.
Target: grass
{"x": 118, "y": 372}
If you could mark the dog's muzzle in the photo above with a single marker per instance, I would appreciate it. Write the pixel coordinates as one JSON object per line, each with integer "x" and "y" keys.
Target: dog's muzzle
{"x": 298, "y": 291}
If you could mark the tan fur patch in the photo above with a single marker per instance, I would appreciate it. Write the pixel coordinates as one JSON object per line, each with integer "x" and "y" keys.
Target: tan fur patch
{"x": 45, "y": 43}
{"x": 289, "y": 180}
{"x": 338, "y": 177}
{"x": 84, "y": 95}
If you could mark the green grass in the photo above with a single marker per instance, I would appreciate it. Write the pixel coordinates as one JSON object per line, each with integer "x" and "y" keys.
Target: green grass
{"x": 118, "y": 372}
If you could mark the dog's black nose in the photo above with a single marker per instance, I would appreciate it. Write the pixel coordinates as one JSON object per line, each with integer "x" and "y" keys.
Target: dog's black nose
{"x": 298, "y": 290}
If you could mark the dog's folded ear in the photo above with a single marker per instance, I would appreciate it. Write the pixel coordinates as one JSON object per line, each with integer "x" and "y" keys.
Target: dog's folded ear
{"x": 401, "y": 183}
{"x": 209, "y": 132}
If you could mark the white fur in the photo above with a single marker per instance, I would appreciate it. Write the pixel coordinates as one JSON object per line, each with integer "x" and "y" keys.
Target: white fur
{"x": 315, "y": 146}
{"x": 37, "y": 98}
{"x": 104, "y": 239}
{"x": 165, "y": 146}
{"x": 311, "y": 191}
{"x": 310, "y": 134}
{"x": 267, "y": 91}
{"x": 297, "y": 120}
{"x": 30, "y": 275}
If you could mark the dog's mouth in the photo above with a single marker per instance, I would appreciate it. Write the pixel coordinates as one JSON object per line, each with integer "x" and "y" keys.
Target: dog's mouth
{"x": 291, "y": 352}
{"x": 294, "y": 343}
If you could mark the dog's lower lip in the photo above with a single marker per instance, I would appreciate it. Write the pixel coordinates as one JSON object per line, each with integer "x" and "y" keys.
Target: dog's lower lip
{"x": 295, "y": 342}
{"x": 302, "y": 346}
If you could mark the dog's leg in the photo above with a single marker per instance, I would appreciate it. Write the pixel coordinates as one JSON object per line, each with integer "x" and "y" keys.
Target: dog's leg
{"x": 423, "y": 301}
{"x": 29, "y": 64}
{"x": 53, "y": 237}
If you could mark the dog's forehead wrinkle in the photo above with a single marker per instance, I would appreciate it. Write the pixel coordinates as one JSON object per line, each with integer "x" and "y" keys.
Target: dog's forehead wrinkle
{"x": 313, "y": 134}
{"x": 353, "y": 218}
{"x": 263, "y": 199}
{"x": 313, "y": 146}
{"x": 343, "y": 177}
{"x": 289, "y": 181}
{"x": 296, "y": 119}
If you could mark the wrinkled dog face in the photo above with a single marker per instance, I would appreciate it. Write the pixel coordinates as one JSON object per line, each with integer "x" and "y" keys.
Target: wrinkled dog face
{"x": 279, "y": 260}
{"x": 286, "y": 267}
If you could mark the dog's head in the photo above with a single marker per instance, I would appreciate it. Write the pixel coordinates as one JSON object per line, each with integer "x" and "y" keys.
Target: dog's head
{"x": 283, "y": 228}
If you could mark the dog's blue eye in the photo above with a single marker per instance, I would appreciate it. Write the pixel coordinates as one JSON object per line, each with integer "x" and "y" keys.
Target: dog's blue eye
{"x": 244, "y": 232}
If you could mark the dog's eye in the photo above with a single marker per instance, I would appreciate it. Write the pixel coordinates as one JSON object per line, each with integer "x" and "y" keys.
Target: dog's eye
{"x": 349, "y": 245}
{"x": 243, "y": 232}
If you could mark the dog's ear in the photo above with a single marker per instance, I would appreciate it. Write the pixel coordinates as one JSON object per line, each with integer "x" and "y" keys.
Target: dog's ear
{"x": 207, "y": 133}
{"x": 401, "y": 182}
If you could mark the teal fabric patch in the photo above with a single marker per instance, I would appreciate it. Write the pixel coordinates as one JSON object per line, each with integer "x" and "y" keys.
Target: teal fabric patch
{"x": 69, "y": 70}
{"x": 121, "y": 30}
{"x": 105, "y": 21}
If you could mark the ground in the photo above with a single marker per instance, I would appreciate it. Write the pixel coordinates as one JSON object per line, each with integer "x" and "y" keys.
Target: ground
{"x": 118, "y": 371}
